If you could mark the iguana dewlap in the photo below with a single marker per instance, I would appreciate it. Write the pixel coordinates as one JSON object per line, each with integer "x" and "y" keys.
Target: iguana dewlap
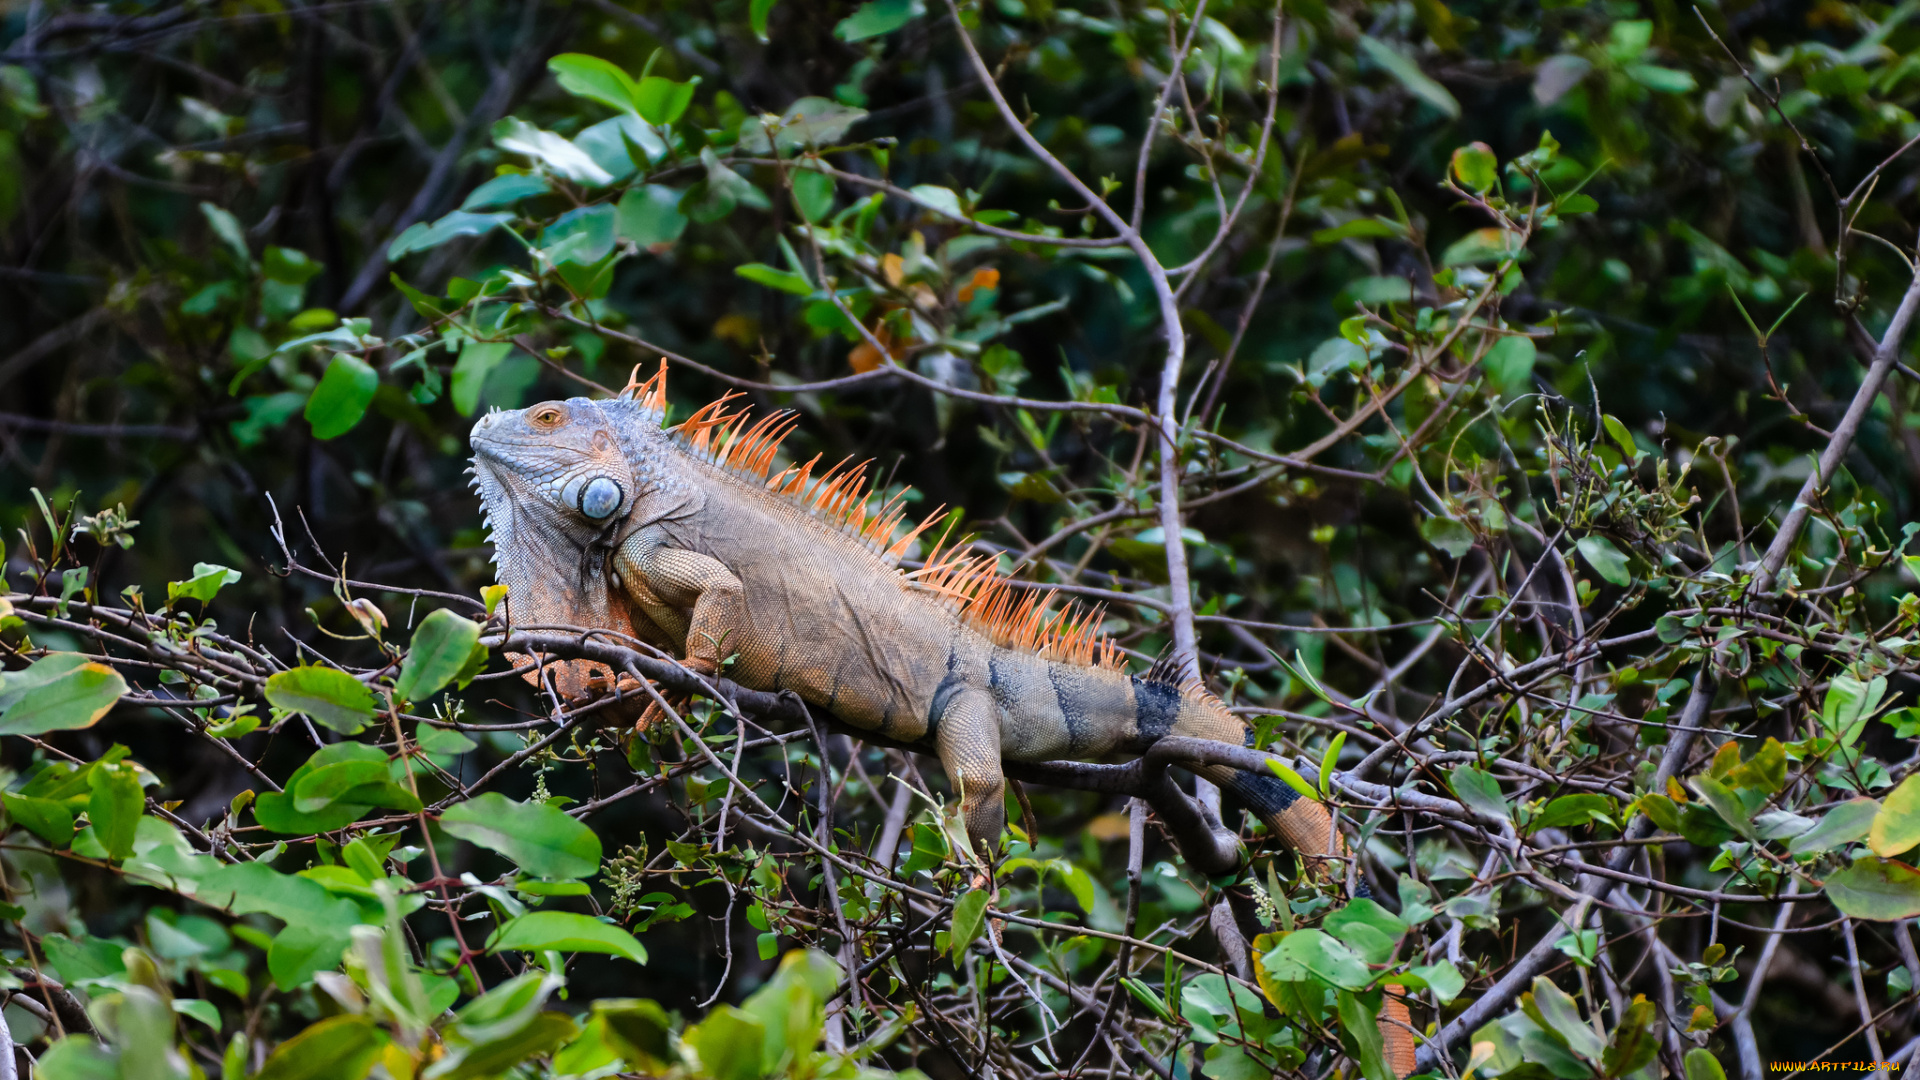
{"x": 681, "y": 537}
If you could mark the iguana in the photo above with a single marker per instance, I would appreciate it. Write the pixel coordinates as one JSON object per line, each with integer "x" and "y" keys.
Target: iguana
{"x": 686, "y": 538}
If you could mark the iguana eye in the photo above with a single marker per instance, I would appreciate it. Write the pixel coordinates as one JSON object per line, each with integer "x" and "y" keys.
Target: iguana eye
{"x": 548, "y": 417}
{"x": 600, "y": 498}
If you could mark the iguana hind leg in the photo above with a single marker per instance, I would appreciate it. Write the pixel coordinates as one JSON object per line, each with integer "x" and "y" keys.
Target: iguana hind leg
{"x": 967, "y": 740}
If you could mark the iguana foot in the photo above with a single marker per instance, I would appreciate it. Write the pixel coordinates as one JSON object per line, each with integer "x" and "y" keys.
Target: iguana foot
{"x": 634, "y": 701}
{"x": 653, "y": 713}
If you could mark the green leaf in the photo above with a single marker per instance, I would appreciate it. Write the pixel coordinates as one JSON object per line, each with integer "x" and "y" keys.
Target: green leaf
{"x": 337, "y": 1048}
{"x": 15, "y": 684}
{"x": 1701, "y": 1065}
{"x": 714, "y": 197}
{"x": 228, "y": 229}
{"x": 1294, "y": 780}
{"x": 275, "y": 811}
{"x": 435, "y": 740}
{"x": 1848, "y": 705}
{"x": 541, "y": 839}
{"x": 44, "y": 818}
{"x": 290, "y": 266}
{"x": 1765, "y": 771}
{"x": 1361, "y": 228}
{"x": 649, "y": 216}
{"x": 1663, "y": 80}
{"x": 784, "y": 280}
{"x": 1571, "y": 810}
{"x": 661, "y": 101}
{"x": 58, "y": 692}
{"x": 200, "y": 1009}
{"x": 1360, "y": 1026}
{"x": 78, "y": 1057}
{"x": 1606, "y": 560}
{"x": 809, "y": 123}
{"x": 639, "y": 1029}
{"x": 342, "y": 397}
{"x": 207, "y": 581}
{"x": 1897, "y": 826}
{"x": 243, "y": 888}
{"x": 1448, "y": 534}
{"x": 477, "y": 361}
{"x": 502, "y": 1027}
{"x": 813, "y": 194}
{"x": 1725, "y": 803}
{"x": 300, "y": 952}
{"x": 1442, "y": 978}
{"x": 1475, "y": 167}
{"x": 1490, "y": 245}
{"x": 1510, "y": 366}
{"x": 580, "y": 237}
{"x": 542, "y": 1033}
{"x": 757, "y": 13}
{"x": 115, "y": 808}
{"x": 968, "y": 913}
{"x": 1076, "y": 881}
{"x": 1480, "y": 792}
{"x": 551, "y": 151}
{"x": 1704, "y": 826}
{"x": 331, "y": 697}
{"x": 1305, "y": 955}
{"x": 876, "y": 17}
{"x": 1558, "y": 1016}
{"x": 1636, "y": 1041}
{"x": 730, "y": 1044}
{"x": 1147, "y": 997}
{"x": 1407, "y": 71}
{"x": 930, "y": 850}
{"x": 505, "y": 190}
{"x": 440, "y": 649}
{"x": 935, "y": 197}
{"x": 595, "y": 79}
{"x": 1369, "y": 929}
{"x": 1329, "y": 762}
{"x": 567, "y": 932}
{"x": 1225, "y": 1061}
{"x": 623, "y": 145}
{"x": 1416, "y": 901}
{"x": 1576, "y": 203}
{"x": 422, "y": 236}
{"x": 362, "y": 782}
{"x": 1621, "y": 437}
{"x": 1878, "y": 889}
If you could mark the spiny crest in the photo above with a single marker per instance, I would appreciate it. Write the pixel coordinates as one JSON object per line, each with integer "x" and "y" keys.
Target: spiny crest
{"x": 1168, "y": 670}
{"x": 841, "y": 496}
{"x": 652, "y": 394}
{"x": 1017, "y": 618}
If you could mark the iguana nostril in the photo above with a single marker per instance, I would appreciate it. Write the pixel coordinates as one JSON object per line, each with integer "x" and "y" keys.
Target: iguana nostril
{"x": 600, "y": 498}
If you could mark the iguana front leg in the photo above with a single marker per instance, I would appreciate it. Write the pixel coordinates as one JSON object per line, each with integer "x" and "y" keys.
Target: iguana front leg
{"x": 967, "y": 740}
{"x": 693, "y": 596}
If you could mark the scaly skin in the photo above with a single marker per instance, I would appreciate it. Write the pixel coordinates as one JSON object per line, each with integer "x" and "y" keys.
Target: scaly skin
{"x": 708, "y": 561}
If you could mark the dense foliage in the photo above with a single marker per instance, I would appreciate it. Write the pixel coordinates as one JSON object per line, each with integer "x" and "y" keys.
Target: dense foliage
{"x": 1500, "y": 404}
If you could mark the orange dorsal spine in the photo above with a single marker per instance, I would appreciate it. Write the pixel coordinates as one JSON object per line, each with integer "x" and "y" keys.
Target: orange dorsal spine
{"x": 842, "y": 497}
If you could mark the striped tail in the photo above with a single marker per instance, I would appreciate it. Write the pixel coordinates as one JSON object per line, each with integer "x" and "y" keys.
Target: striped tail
{"x": 1306, "y": 827}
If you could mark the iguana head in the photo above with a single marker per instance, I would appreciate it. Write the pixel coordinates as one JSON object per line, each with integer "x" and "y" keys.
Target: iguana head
{"x": 558, "y": 493}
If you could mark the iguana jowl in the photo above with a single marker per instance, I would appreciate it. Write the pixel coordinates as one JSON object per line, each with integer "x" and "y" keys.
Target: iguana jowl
{"x": 681, "y": 537}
